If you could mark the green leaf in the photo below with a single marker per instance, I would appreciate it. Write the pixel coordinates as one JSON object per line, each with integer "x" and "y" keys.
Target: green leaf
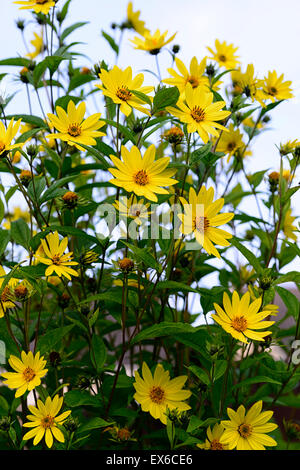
{"x": 257, "y": 178}
{"x": 94, "y": 423}
{"x": 20, "y": 233}
{"x": 79, "y": 80}
{"x": 247, "y": 254}
{"x": 255, "y": 380}
{"x": 76, "y": 398}
{"x": 29, "y": 119}
{"x": 50, "y": 340}
{"x": 51, "y": 192}
{"x": 96, "y": 154}
{"x": 220, "y": 369}
{"x": 142, "y": 255}
{"x": 163, "y": 329}
{"x": 4, "y": 239}
{"x": 177, "y": 286}
{"x": 127, "y": 134}
{"x": 142, "y": 96}
{"x": 72, "y": 28}
{"x": 290, "y": 300}
{"x": 98, "y": 352}
{"x": 18, "y": 61}
{"x": 110, "y": 41}
{"x": 35, "y": 188}
{"x": 165, "y": 97}
{"x": 200, "y": 373}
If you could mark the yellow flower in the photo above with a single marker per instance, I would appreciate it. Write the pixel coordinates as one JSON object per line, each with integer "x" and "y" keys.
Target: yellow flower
{"x": 6, "y": 296}
{"x": 230, "y": 141}
{"x": 133, "y": 19}
{"x": 288, "y": 227}
{"x": 194, "y": 75}
{"x": 274, "y": 88}
{"x": 247, "y": 431}
{"x": 72, "y": 128}
{"x": 199, "y": 112}
{"x": 45, "y": 422}
{"x": 288, "y": 147}
{"x": 157, "y": 392}
{"x": 213, "y": 438}
{"x": 152, "y": 43}
{"x": 18, "y": 213}
{"x": 132, "y": 208}
{"x": 142, "y": 175}
{"x": 247, "y": 82}
{"x": 174, "y": 135}
{"x": 38, "y": 6}
{"x": 119, "y": 85}
{"x": 38, "y": 45}
{"x": 7, "y": 135}
{"x": 224, "y": 54}
{"x": 241, "y": 318}
{"x": 130, "y": 283}
{"x": 201, "y": 218}
{"x": 249, "y": 122}
{"x": 29, "y": 371}
{"x": 55, "y": 258}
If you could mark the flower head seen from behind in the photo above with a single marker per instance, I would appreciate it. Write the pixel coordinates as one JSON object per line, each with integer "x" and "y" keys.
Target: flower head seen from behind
{"x": 230, "y": 141}
{"x": 157, "y": 392}
{"x": 248, "y": 431}
{"x": 38, "y": 6}
{"x": 134, "y": 21}
{"x": 45, "y": 422}
{"x": 212, "y": 441}
{"x": 201, "y": 218}
{"x": 199, "y": 112}
{"x": 224, "y": 54}
{"x": 6, "y": 299}
{"x": 152, "y": 43}
{"x": 29, "y": 371}
{"x": 247, "y": 82}
{"x": 7, "y": 136}
{"x": 288, "y": 228}
{"x": 194, "y": 75}
{"x": 55, "y": 257}
{"x": 241, "y": 318}
{"x": 119, "y": 85}
{"x": 73, "y": 128}
{"x": 38, "y": 45}
{"x": 142, "y": 175}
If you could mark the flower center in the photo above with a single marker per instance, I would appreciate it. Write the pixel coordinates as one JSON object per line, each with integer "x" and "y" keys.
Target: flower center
{"x": 123, "y": 93}
{"x": 201, "y": 224}
{"x": 2, "y": 146}
{"x": 222, "y": 58}
{"x": 198, "y": 114}
{"x": 47, "y": 422}
{"x": 239, "y": 323}
{"x": 141, "y": 178}
{"x": 193, "y": 81}
{"x": 157, "y": 395}
{"x": 245, "y": 430}
{"x": 41, "y": 1}
{"x": 272, "y": 91}
{"x": 28, "y": 374}
{"x": 56, "y": 259}
{"x": 216, "y": 445}
{"x": 74, "y": 129}
{"x": 231, "y": 146}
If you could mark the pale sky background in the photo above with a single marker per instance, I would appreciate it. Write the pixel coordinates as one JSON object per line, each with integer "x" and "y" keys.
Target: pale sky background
{"x": 266, "y": 32}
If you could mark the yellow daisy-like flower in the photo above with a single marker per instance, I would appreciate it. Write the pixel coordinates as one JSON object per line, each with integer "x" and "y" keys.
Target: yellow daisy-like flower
{"x": 224, "y": 54}
{"x": 72, "y": 128}
{"x": 45, "y": 421}
{"x": 38, "y": 6}
{"x": 133, "y": 208}
{"x": 247, "y": 82}
{"x": 17, "y": 213}
{"x": 199, "y": 112}
{"x": 55, "y": 258}
{"x": 230, "y": 141}
{"x": 202, "y": 219}
{"x": 119, "y": 85}
{"x": 195, "y": 75}
{"x": 7, "y": 136}
{"x": 152, "y": 43}
{"x": 213, "y": 438}
{"x": 157, "y": 392}
{"x": 241, "y": 317}
{"x": 288, "y": 227}
{"x": 133, "y": 19}
{"x": 142, "y": 175}
{"x": 29, "y": 371}
{"x": 38, "y": 45}
{"x": 248, "y": 431}
{"x": 274, "y": 88}
{"x": 6, "y": 299}
{"x": 288, "y": 147}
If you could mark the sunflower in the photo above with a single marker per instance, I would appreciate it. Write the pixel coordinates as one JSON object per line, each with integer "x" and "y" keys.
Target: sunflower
{"x": 38, "y": 6}
{"x": 247, "y": 431}
{"x": 201, "y": 218}
{"x": 275, "y": 88}
{"x": 29, "y": 371}
{"x": 38, "y": 45}
{"x": 133, "y": 20}
{"x": 133, "y": 208}
{"x": 157, "y": 393}
{"x": 152, "y": 43}
{"x": 120, "y": 86}
{"x": 55, "y": 258}
{"x": 199, "y": 112}
{"x": 45, "y": 421}
{"x": 230, "y": 141}
{"x": 212, "y": 441}
{"x": 224, "y": 54}
{"x": 141, "y": 175}
{"x": 7, "y": 136}
{"x": 241, "y": 318}
{"x": 72, "y": 128}
{"x": 195, "y": 75}
{"x": 288, "y": 228}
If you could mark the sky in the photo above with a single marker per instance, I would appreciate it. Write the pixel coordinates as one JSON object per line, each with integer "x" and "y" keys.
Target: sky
{"x": 266, "y": 32}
